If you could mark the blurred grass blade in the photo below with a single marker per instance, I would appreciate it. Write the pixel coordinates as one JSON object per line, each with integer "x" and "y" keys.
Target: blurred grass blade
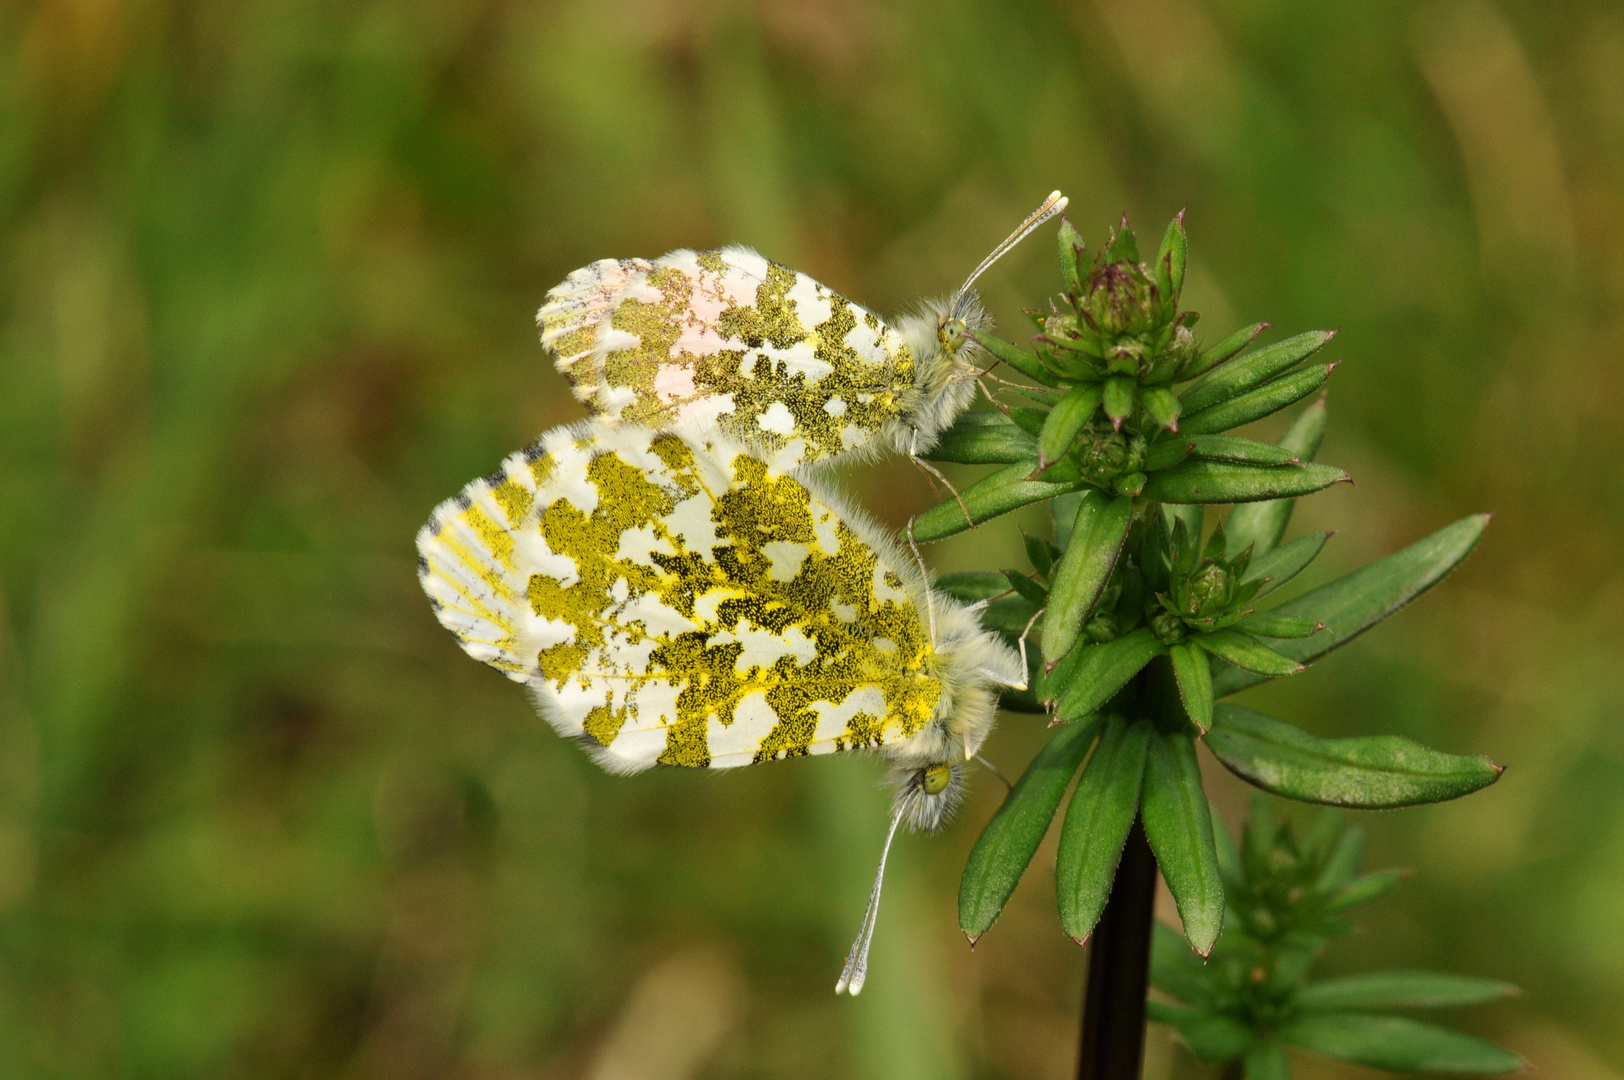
{"x": 983, "y": 438}
{"x": 1065, "y": 420}
{"x": 1235, "y": 448}
{"x": 1279, "y": 565}
{"x": 1097, "y": 822}
{"x": 1196, "y": 481}
{"x": 1194, "y": 675}
{"x": 1003, "y": 491}
{"x": 1402, "y": 990}
{"x": 1342, "y": 865}
{"x": 1372, "y": 772}
{"x": 1254, "y": 369}
{"x": 1269, "y": 398}
{"x": 1097, "y": 534}
{"x": 1266, "y": 1061}
{"x": 1012, "y": 836}
{"x": 1178, "y": 824}
{"x": 1104, "y": 669}
{"x": 1365, "y": 889}
{"x": 1263, "y": 524}
{"x": 1353, "y": 604}
{"x": 1397, "y": 1043}
{"x": 1246, "y": 653}
{"x": 1228, "y": 347}
{"x": 1175, "y": 969}
{"x": 1019, "y": 359}
{"x": 1212, "y": 1037}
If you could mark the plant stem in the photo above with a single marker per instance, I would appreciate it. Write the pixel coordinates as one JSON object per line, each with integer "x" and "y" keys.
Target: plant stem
{"x": 1113, "y": 1039}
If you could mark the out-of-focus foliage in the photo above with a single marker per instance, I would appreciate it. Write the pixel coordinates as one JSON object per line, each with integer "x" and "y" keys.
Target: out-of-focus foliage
{"x": 268, "y": 275}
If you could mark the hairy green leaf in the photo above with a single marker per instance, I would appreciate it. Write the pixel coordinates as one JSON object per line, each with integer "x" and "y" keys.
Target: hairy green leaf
{"x": 1402, "y": 990}
{"x": 1254, "y": 369}
{"x": 983, "y": 438}
{"x": 1194, "y": 676}
{"x": 1065, "y": 420}
{"x": 1013, "y": 834}
{"x": 1097, "y": 534}
{"x": 1271, "y": 397}
{"x": 1228, "y": 347}
{"x": 1104, "y": 669}
{"x": 1353, "y": 604}
{"x": 1097, "y": 822}
{"x": 972, "y": 585}
{"x": 1246, "y": 652}
{"x": 987, "y": 498}
{"x": 1263, "y": 524}
{"x": 1279, "y": 565}
{"x": 1017, "y": 358}
{"x": 1235, "y": 448}
{"x": 1198, "y": 481}
{"x": 1372, "y": 772}
{"x": 1178, "y": 824}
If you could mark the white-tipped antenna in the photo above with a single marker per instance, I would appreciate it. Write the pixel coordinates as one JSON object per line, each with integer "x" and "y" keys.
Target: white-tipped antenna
{"x": 855, "y": 972}
{"x": 1055, "y": 203}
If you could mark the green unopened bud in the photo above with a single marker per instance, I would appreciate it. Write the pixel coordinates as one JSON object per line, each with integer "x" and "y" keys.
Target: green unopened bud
{"x": 1209, "y": 588}
{"x": 1168, "y": 627}
{"x": 1118, "y": 298}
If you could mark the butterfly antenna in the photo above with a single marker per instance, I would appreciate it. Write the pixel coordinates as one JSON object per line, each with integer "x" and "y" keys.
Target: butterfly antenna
{"x": 1051, "y": 206}
{"x": 924, "y": 575}
{"x": 855, "y": 972}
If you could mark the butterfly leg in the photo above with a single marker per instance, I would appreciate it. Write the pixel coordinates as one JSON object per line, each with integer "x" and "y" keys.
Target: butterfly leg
{"x": 995, "y": 771}
{"x": 1036, "y": 615}
{"x": 930, "y": 470}
{"x": 924, "y": 575}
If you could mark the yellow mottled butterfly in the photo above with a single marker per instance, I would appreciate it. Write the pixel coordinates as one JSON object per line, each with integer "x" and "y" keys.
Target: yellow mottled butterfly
{"x": 671, "y": 597}
{"x": 727, "y": 340}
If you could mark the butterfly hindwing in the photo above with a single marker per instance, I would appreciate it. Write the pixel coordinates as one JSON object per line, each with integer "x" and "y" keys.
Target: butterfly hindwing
{"x": 674, "y": 599}
{"x": 728, "y": 340}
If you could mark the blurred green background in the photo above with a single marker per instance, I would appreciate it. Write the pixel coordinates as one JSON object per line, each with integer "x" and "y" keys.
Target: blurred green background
{"x": 270, "y": 269}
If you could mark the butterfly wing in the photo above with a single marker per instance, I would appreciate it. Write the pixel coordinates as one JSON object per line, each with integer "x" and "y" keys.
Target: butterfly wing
{"x": 727, "y": 339}
{"x": 675, "y": 600}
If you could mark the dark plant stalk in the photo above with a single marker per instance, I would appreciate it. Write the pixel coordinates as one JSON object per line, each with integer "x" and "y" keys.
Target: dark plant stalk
{"x": 1113, "y": 1038}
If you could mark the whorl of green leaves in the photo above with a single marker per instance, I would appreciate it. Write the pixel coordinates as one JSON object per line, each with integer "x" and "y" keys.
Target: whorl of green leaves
{"x": 1143, "y": 620}
{"x": 1256, "y": 992}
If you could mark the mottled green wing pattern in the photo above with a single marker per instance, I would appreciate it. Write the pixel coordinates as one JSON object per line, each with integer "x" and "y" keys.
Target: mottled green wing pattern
{"x": 729, "y": 340}
{"x": 675, "y": 600}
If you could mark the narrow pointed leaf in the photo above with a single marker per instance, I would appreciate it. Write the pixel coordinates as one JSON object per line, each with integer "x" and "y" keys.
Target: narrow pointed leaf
{"x": 1162, "y": 406}
{"x": 1197, "y": 481}
{"x": 1118, "y": 398}
{"x": 1097, "y": 534}
{"x": 1038, "y": 553}
{"x": 1230, "y": 346}
{"x": 1097, "y": 822}
{"x": 1016, "y": 357}
{"x": 1174, "y": 252}
{"x": 1397, "y": 1043}
{"x": 1274, "y": 625}
{"x": 1271, "y": 397}
{"x": 1178, "y": 824}
{"x": 1266, "y": 1061}
{"x": 1105, "y": 669}
{"x": 1402, "y": 990}
{"x": 1028, "y": 419}
{"x": 1065, "y": 420}
{"x": 1279, "y": 565}
{"x": 1246, "y": 652}
{"x": 1071, "y": 247}
{"x": 1342, "y": 865}
{"x": 1263, "y": 524}
{"x": 1353, "y": 604}
{"x": 1211, "y": 1037}
{"x": 1005, "y": 490}
{"x": 1194, "y": 675}
{"x": 1234, "y": 448}
{"x": 1254, "y": 369}
{"x": 1372, "y": 772}
{"x": 983, "y": 438}
{"x": 1008, "y": 614}
{"x": 1365, "y": 889}
{"x": 1026, "y": 588}
{"x": 1063, "y": 511}
{"x": 1012, "y": 836}
{"x": 1175, "y": 969}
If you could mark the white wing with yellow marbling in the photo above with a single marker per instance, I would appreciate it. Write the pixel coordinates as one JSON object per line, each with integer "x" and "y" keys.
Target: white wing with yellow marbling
{"x": 671, "y": 598}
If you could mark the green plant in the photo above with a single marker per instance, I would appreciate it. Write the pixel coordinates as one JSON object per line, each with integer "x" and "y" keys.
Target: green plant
{"x": 1145, "y": 619}
{"x": 1286, "y": 898}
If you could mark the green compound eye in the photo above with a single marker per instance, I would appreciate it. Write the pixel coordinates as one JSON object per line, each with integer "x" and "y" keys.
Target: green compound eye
{"x": 934, "y": 778}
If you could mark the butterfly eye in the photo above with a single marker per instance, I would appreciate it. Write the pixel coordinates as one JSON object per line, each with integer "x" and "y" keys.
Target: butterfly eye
{"x": 951, "y": 332}
{"x": 933, "y": 779}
